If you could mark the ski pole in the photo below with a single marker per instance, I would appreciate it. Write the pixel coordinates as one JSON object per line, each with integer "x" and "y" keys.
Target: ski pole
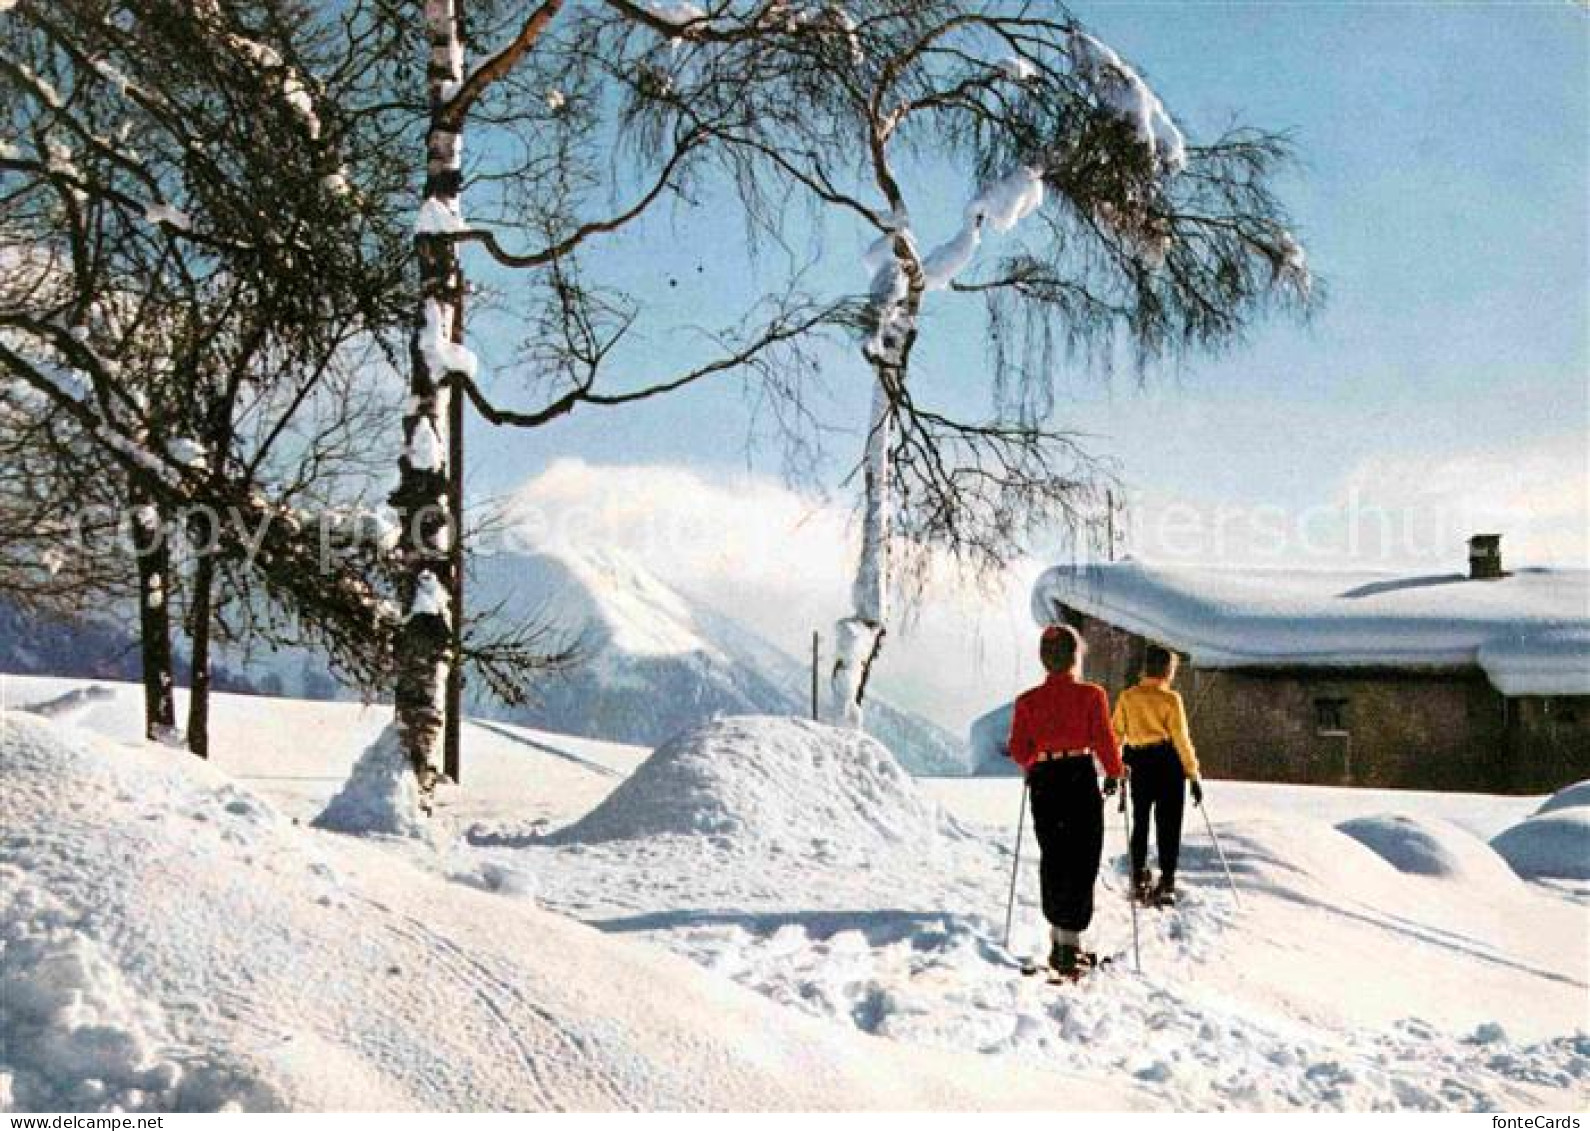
{"x": 1221, "y": 852}
{"x": 1131, "y": 899}
{"x": 1010, "y": 904}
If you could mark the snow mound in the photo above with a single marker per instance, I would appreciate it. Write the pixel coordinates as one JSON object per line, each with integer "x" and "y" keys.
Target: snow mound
{"x": 990, "y": 740}
{"x": 380, "y": 796}
{"x": 73, "y": 703}
{"x": 631, "y": 609}
{"x": 1426, "y": 847}
{"x": 1551, "y": 662}
{"x": 656, "y": 660}
{"x": 1553, "y": 844}
{"x": 1575, "y": 796}
{"x": 762, "y": 779}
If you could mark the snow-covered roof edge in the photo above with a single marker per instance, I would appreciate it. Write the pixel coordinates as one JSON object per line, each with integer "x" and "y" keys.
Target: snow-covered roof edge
{"x": 1237, "y": 625}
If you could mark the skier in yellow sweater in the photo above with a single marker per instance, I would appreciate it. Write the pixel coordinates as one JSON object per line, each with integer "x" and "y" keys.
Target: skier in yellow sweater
{"x": 1151, "y": 722}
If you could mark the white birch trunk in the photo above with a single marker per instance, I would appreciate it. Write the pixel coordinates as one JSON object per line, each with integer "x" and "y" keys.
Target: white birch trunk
{"x": 424, "y": 651}
{"x": 858, "y": 636}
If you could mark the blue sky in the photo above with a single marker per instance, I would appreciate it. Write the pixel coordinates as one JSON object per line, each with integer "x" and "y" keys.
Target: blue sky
{"x": 1442, "y": 197}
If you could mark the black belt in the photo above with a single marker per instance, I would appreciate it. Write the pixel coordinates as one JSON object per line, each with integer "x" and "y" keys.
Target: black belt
{"x": 1061, "y": 755}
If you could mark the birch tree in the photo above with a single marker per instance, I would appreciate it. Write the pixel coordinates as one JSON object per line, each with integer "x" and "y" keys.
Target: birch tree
{"x": 542, "y": 82}
{"x": 1107, "y": 230}
{"x": 192, "y": 252}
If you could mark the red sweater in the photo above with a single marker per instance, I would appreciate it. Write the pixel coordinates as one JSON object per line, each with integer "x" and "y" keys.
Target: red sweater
{"x": 1063, "y": 714}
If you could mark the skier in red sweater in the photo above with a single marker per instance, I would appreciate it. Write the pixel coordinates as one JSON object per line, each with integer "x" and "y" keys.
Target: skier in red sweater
{"x": 1056, "y": 732}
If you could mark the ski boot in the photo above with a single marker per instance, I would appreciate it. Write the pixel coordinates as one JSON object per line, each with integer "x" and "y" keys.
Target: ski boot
{"x": 1065, "y": 963}
{"x": 1068, "y": 963}
{"x": 1164, "y": 893}
{"x": 1143, "y": 887}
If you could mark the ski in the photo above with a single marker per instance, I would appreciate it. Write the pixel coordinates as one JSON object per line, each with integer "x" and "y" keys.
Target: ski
{"x": 1088, "y": 961}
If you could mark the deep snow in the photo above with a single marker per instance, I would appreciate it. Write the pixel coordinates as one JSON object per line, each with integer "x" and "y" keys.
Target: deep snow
{"x": 761, "y": 781}
{"x": 1336, "y": 985}
{"x": 174, "y": 942}
{"x": 1575, "y": 796}
{"x": 1352, "y": 977}
{"x": 655, "y": 660}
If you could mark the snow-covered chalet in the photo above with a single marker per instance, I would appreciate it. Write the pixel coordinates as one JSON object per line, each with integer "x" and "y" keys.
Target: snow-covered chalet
{"x": 1464, "y": 681}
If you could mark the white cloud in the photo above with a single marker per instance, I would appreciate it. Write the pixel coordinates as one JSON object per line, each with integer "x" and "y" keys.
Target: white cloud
{"x": 1425, "y": 507}
{"x": 1398, "y": 510}
{"x": 781, "y": 562}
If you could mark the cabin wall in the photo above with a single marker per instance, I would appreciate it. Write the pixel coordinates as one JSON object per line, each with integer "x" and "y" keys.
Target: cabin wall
{"x": 1548, "y": 741}
{"x": 1392, "y": 728}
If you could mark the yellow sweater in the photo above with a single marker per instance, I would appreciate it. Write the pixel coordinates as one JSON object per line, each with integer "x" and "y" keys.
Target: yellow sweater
{"x": 1150, "y": 713}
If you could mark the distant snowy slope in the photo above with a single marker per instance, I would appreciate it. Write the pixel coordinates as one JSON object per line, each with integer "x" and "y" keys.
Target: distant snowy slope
{"x": 990, "y": 737}
{"x": 656, "y": 662}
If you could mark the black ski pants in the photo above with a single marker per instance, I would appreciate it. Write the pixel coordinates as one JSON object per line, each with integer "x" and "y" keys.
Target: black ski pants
{"x": 1068, "y": 816}
{"x": 1159, "y": 789}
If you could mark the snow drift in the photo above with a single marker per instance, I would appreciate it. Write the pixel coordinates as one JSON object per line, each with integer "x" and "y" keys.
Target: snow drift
{"x": 72, "y": 1033}
{"x": 905, "y": 940}
{"x": 70, "y": 704}
{"x": 756, "y": 780}
{"x": 1555, "y": 844}
{"x": 171, "y": 942}
{"x": 1528, "y": 631}
{"x": 1425, "y": 847}
{"x": 380, "y": 795}
{"x": 334, "y": 971}
{"x": 1575, "y": 796}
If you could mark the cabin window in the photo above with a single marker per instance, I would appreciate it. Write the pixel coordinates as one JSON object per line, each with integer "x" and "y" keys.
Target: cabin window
{"x": 1330, "y": 716}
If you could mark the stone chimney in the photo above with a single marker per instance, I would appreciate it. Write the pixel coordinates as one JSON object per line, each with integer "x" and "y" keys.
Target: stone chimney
{"x": 1485, "y": 557}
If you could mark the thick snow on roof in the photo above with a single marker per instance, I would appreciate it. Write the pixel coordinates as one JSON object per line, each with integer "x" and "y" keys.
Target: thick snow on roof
{"x": 1530, "y": 631}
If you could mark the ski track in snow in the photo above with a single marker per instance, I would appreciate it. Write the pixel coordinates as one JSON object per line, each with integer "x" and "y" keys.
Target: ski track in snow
{"x": 1341, "y": 983}
{"x": 172, "y": 942}
{"x": 874, "y": 926}
{"x": 943, "y": 979}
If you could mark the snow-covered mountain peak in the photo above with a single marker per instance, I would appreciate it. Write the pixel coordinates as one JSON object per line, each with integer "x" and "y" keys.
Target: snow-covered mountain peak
{"x": 655, "y": 661}
{"x": 638, "y": 613}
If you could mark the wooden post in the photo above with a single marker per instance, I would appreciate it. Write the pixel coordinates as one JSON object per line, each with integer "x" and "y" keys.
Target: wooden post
{"x": 453, "y": 724}
{"x": 1109, "y": 518}
{"x": 814, "y": 675}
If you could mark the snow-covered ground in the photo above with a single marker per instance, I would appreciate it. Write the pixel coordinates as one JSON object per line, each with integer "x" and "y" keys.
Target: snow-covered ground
{"x": 172, "y": 940}
{"x": 242, "y": 957}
